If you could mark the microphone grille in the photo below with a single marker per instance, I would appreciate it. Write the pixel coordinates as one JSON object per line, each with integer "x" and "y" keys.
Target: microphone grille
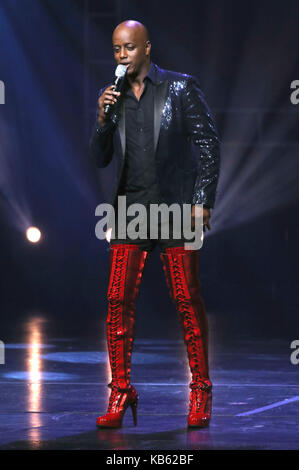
{"x": 120, "y": 70}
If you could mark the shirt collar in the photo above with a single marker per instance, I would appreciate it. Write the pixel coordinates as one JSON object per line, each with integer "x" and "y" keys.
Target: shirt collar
{"x": 151, "y": 74}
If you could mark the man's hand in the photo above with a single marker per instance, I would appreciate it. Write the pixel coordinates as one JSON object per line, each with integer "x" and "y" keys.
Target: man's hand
{"x": 109, "y": 96}
{"x": 205, "y": 218}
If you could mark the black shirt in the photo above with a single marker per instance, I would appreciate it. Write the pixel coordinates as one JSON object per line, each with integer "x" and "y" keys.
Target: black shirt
{"x": 139, "y": 180}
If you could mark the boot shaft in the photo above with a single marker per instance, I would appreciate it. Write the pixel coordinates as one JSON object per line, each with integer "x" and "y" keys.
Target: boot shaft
{"x": 126, "y": 267}
{"x": 181, "y": 271}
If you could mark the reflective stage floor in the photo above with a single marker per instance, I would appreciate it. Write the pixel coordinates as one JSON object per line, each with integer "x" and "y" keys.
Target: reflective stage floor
{"x": 53, "y": 390}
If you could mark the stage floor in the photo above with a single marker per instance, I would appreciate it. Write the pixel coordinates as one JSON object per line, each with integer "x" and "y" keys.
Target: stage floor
{"x": 53, "y": 390}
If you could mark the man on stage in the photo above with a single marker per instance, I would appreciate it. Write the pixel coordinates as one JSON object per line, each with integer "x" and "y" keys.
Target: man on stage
{"x": 167, "y": 149}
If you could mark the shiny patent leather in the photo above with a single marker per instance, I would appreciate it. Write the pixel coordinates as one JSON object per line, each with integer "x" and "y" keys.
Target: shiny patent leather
{"x": 119, "y": 401}
{"x": 126, "y": 265}
{"x": 200, "y": 406}
{"x": 181, "y": 271}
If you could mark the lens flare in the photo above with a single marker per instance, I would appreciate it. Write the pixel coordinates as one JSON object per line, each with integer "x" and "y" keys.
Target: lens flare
{"x": 33, "y": 234}
{"x": 108, "y": 235}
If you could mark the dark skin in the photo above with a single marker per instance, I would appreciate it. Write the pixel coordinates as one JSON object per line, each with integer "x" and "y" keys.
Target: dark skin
{"x": 131, "y": 46}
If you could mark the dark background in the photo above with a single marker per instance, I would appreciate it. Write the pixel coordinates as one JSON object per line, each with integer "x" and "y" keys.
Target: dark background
{"x": 55, "y": 55}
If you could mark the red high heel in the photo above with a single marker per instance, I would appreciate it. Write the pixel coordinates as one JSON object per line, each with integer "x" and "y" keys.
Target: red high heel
{"x": 126, "y": 266}
{"x": 200, "y": 406}
{"x": 119, "y": 401}
{"x": 181, "y": 272}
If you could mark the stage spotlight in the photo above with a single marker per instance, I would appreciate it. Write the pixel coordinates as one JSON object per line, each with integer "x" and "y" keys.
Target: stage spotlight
{"x": 33, "y": 234}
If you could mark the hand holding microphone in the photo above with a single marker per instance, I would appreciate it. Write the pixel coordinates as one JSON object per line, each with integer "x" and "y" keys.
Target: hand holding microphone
{"x": 109, "y": 97}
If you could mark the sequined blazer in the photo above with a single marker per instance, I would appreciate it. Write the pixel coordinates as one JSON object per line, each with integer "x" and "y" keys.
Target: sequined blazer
{"x": 186, "y": 142}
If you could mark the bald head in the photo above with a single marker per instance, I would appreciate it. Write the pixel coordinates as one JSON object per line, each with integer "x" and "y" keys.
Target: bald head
{"x": 131, "y": 45}
{"x": 133, "y": 27}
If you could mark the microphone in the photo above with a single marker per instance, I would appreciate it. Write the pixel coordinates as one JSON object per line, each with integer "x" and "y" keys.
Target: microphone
{"x": 120, "y": 73}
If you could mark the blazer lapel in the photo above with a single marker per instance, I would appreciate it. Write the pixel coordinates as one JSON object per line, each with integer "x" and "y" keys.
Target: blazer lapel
{"x": 122, "y": 128}
{"x": 160, "y": 91}
{"x": 159, "y": 101}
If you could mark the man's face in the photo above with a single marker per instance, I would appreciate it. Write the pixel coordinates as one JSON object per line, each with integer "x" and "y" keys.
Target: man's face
{"x": 130, "y": 47}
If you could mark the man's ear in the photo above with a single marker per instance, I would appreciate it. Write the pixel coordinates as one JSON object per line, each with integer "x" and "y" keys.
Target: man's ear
{"x": 148, "y": 46}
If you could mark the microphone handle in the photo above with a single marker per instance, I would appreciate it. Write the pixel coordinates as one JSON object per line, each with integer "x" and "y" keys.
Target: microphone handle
{"x": 117, "y": 85}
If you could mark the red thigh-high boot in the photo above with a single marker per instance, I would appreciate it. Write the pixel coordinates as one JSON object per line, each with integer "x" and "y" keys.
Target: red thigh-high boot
{"x": 181, "y": 272}
{"x": 126, "y": 265}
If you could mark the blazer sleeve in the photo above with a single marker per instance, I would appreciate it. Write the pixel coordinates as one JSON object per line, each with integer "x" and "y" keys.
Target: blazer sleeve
{"x": 101, "y": 141}
{"x": 202, "y": 130}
